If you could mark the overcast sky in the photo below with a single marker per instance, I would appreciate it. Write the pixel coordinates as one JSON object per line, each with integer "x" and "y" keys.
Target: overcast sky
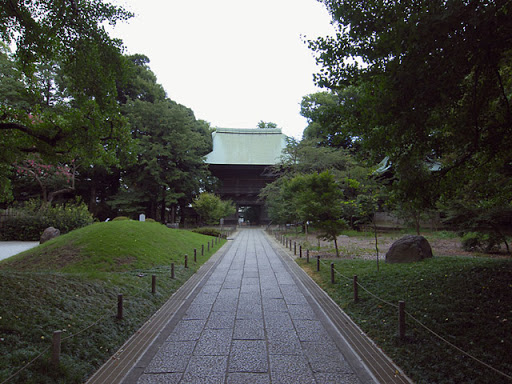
{"x": 233, "y": 62}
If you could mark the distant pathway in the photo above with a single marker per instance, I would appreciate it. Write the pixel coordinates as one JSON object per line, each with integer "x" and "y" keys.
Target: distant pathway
{"x": 11, "y": 248}
{"x": 249, "y": 323}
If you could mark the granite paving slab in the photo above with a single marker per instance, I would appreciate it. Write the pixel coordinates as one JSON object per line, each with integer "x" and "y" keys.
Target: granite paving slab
{"x": 249, "y": 322}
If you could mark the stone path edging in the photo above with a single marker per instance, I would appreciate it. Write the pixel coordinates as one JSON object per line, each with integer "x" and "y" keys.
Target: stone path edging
{"x": 355, "y": 344}
{"x": 123, "y": 361}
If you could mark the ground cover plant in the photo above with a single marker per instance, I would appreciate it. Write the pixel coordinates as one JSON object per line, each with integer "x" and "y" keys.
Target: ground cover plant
{"x": 467, "y": 300}
{"x": 71, "y": 283}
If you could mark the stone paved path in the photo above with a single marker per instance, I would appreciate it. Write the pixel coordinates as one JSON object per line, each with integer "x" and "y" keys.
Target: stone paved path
{"x": 250, "y": 323}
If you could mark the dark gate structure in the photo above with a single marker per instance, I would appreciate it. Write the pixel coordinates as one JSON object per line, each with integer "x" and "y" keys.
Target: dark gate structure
{"x": 240, "y": 160}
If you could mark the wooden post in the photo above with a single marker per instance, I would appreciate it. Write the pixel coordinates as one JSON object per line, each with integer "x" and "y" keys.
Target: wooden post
{"x": 300, "y": 251}
{"x": 172, "y": 270}
{"x": 318, "y": 263}
{"x": 186, "y": 261}
{"x": 307, "y": 256}
{"x": 208, "y": 247}
{"x": 56, "y": 348}
{"x": 202, "y": 250}
{"x": 356, "y": 290}
{"x": 294, "y": 248}
{"x": 195, "y": 255}
{"x": 401, "y": 319}
{"x": 153, "y": 284}
{"x": 120, "y": 307}
{"x": 212, "y": 243}
{"x": 332, "y": 273}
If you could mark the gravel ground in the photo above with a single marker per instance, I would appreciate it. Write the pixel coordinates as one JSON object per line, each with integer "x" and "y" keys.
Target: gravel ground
{"x": 363, "y": 247}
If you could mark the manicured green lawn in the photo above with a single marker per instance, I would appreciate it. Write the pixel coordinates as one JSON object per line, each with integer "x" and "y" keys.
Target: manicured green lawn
{"x": 468, "y": 301}
{"x": 72, "y": 283}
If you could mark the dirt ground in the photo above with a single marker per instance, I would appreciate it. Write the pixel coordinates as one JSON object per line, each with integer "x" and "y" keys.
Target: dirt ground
{"x": 363, "y": 247}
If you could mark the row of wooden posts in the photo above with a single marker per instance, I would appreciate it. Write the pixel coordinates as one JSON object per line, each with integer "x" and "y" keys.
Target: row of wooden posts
{"x": 293, "y": 246}
{"x": 56, "y": 340}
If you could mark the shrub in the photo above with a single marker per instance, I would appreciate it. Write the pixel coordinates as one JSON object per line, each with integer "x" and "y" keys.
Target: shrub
{"x": 29, "y": 222}
{"x": 121, "y": 218}
{"x": 207, "y": 231}
{"x": 481, "y": 242}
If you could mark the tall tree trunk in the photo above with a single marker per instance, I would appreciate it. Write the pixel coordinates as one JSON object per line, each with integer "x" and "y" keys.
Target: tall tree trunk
{"x": 162, "y": 207}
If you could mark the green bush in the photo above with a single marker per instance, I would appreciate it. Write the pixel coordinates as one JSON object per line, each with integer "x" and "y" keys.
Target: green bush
{"x": 121, "y": 218}
{"x": 481, "y": 242}
{"x": 30, "y": 221}
{"x": 207, "y": 231}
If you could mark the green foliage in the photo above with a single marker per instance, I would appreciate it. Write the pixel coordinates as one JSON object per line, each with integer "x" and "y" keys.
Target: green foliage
{"x": 481, "y": 242}
{"x": 171, "y": 143}
{"x": 59, "y": 95}
{"x": 266, "y": 125}
{"x": 317, "y": 198}
{"x": 30, "y": 221}
{"x": 427, "y": 84}
{"x": 121, "y": 218}
{"x": 211, "y": 208}
{"x": 207, "y": 231}
{"x": 465, "y": 300}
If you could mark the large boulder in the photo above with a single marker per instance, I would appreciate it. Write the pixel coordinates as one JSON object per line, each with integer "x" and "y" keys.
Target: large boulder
{"x": 48, "y": 234}
{"x": 409, "y": 249}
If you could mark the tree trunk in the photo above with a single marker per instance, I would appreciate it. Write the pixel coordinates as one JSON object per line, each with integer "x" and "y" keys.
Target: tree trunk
{"x": 336, "y": 246}
{"x": 162, "y": 207}
{"x": 376, "y": 241}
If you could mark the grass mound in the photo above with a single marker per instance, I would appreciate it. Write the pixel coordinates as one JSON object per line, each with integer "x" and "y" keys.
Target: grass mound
{"x": 71, "y": 283}
{"x": 109, "y": 247}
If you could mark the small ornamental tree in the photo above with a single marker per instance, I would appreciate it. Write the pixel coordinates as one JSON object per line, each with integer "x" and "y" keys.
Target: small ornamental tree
{"x": 317, "y": 198}
{"x": 211, "y": 208}
{"x": 52, "y": 179}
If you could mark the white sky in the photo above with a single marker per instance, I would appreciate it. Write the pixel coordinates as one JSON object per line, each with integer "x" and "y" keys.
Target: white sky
{"x": 233, "y": 62}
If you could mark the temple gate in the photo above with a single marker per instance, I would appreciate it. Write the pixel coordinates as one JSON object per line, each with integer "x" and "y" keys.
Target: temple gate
{"x": 240, "y": 160}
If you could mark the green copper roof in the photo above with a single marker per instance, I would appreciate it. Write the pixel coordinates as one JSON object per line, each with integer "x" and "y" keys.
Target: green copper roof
{"x": 258, "y": 146}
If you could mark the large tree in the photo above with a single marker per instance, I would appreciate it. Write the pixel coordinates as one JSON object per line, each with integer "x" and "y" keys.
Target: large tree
{"x": 171, "y": 142}
{"x": 433, "y": 84}
{"x": 62, "y": 80}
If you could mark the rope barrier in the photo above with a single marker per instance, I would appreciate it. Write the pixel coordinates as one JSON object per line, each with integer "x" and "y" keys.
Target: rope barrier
{"x": 62, "y": 340}
{"x": 423, "y": 325}
{"x": 25, "y": 366}
{"x": 91, "y": 325}
{"x": 457, "y": 348}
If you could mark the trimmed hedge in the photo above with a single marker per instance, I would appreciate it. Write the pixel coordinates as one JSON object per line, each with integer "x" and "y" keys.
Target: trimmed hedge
{"x": 29, "y": 223}
{"x": 207, "y": 231}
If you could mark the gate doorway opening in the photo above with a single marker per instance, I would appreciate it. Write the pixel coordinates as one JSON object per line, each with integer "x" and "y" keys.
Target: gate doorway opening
{"x": 249, "y": 215}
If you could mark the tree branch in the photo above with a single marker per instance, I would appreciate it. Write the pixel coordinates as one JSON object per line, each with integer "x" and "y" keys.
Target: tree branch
{"x": 52, "y": 141}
